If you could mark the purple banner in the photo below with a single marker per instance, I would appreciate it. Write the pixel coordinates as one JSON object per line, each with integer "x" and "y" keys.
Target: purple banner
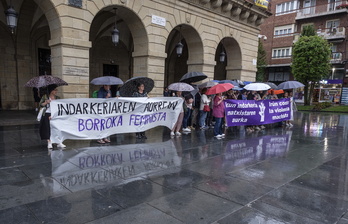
{"x": 257, "y": 112}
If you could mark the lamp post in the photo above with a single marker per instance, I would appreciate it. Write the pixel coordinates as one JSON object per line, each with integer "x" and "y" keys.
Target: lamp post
{"x": 222, "y": 55}
{"x": 179, "y": 46}
{"x": 115, "y": 34}
{"x": 11, "y": 18}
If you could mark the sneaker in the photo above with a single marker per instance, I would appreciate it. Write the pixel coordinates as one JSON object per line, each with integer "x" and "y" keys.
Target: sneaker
{"x": 257, "y": 128}
{"x": 291, "y": 125}
{"x": 177, "y": 133}
{"x": 218, "y": 136}
{"x": 186, "y": 130}
{"x": 222, "y": 135}
{"x": 172, "y": 133}
{"x": 49, "y": 145}
{"x": 263, "y": 127}
{"x": 61, "y": 145}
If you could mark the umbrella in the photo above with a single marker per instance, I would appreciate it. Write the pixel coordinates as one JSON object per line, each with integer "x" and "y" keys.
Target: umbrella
{"x": 290, "y": 85}
{"x": 207, "y": 84}
{"x": 130, "y": 86}
{"x": 180, "y": 86}
{"x": 45, "y": 80}
{"x": 193, "y": 77}
{"x": 219, "y": 88}
{"x": 257, "y": 86}
{"x": 236, "y": 84}
{"x": 272, "y": 85}
{"x": 107, "y": 80}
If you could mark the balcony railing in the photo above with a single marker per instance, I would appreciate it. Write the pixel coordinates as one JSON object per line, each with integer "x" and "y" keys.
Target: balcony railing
{"x": 321, "y": 10}
{"x": 332, "y": 33}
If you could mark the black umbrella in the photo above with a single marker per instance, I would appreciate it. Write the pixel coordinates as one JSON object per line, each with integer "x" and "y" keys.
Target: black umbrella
{"x": 45, "y": 80}
{"x": 130, "y": 86}
{"x": 191, "y": 77}
{"x": 272, "y": 85}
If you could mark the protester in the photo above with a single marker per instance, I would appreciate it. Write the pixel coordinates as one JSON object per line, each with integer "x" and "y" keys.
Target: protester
{"x": 166, "y": 92}
{"x": 187, "y": 106}
{"x": 195, "y": 112}
{"x": 177, "y": 126}
{"x": 140, "y": 93}
{"x": 288, "y": 122}
{"x": 203, "y": 114}
{"x": 104, "y": 92}
{"x": 45, "y": 129}
{"x": 218, "y": 113}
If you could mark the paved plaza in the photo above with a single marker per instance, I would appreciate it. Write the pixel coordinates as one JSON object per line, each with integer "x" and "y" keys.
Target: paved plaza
{"x": 278, "y": 175}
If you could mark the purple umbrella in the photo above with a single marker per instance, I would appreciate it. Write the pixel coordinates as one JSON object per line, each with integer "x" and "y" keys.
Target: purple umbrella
{"x": 45, "y": 80}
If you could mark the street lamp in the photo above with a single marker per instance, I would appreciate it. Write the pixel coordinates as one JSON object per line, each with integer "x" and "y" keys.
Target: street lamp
{"x": 222, "y": 54}
{"x": 11, "y": 17}
{"x": 260, "y": 36}
{"x": 179, "y": 46}
{"x": 115, "y": 34}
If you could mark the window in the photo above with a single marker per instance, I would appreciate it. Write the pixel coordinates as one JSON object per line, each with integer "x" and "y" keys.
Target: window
{"x": 286, "y": 7}
{"x": 332, "y": 23}
{"x": 282, "y": 31}
{"x": 333, "y": 4}
{"x": 281, "y": 52}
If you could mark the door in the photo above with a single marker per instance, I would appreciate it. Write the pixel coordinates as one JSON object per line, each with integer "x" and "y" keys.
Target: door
{"x": 111, "y": 70}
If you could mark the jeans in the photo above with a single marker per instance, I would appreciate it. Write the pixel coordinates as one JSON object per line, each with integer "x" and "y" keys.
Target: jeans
{"x": 186, "y": 119}
{"x": 202, "y": 117}
{"x": 218, "y": 126}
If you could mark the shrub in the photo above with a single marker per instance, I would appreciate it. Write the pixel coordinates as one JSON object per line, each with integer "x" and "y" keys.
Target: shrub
{"x": 342, "y": 6}
{"x": 321, "y": 106}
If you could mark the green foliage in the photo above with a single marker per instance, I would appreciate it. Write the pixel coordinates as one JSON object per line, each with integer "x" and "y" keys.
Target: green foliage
{"x": 261, "y": 63}
{"x": 311, "y": 59}
{"x": 320, "y": 106}
{"x": 308, "y": 31}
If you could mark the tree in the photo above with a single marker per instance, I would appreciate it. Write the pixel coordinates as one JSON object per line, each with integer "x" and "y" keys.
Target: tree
{"x": 308, "y": 31}
{"x": 261, "y": 63}
{"x": 310, "y": 62}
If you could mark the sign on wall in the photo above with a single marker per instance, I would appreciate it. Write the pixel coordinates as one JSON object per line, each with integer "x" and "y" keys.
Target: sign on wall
{"x": 262, "y": 3}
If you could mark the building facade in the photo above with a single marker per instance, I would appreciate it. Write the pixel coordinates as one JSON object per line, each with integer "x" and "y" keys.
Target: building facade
{"x": 284, "y": 27}
{"x": 71, "y": 39}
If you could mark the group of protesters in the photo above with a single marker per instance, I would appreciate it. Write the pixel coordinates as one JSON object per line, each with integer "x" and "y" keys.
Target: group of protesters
{"x": 199, "y": 111}
{"x": 195, "y": 114}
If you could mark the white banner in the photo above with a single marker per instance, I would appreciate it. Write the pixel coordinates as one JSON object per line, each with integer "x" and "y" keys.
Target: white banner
{"x": 90, "y": 118}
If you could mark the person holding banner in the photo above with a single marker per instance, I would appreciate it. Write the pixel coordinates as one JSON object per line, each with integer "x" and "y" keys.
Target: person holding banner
{"x": 177, "y": 126}
{"x": 45, "y": 128}
{"x": 219, "y": 114}
{"x": 140, "y": 93}
{"x": 104, "y": 92}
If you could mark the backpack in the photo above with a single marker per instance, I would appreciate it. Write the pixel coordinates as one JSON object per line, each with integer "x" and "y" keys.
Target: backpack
{"x": 95, "y": 94}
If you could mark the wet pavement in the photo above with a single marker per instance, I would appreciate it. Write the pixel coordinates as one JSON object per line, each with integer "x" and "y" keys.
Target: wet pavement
{"x": 278, "y": 175}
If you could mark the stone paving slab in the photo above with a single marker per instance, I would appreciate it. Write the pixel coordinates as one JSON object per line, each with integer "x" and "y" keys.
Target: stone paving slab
{"x": 278, "y": 175}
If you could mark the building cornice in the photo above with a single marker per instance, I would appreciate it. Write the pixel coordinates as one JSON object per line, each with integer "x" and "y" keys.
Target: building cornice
{"x": 242, "y": 10}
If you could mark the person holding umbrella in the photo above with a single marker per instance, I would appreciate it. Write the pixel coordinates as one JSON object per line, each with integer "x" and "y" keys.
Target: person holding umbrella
{"x": 45, "y": 129}
{"x": 140, "y": 93}
{"x": 218, "y": 114}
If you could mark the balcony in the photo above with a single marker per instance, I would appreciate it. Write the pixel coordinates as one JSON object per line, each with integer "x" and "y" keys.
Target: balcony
{"x": 336, "y": 58}
{"x": 321, "y": 10}
{"x": 333, "y": 34}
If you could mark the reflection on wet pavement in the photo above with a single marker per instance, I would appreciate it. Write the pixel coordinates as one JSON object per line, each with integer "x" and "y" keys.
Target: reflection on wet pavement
{"x": 278, "y": 175}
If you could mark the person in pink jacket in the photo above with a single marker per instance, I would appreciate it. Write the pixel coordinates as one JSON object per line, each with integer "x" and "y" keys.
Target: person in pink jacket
{"x": 219, "y": 114}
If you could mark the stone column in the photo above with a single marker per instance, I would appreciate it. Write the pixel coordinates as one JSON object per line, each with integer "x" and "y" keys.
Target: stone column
{"x": 70, "y": 61}
{"x": 151, "y": 66}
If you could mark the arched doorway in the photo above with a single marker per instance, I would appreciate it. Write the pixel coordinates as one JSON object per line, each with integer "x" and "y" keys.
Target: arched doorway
{"x": 24, "y": 54}
{"x": 192, "y": 54}
{"x": 120, "y": 60}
